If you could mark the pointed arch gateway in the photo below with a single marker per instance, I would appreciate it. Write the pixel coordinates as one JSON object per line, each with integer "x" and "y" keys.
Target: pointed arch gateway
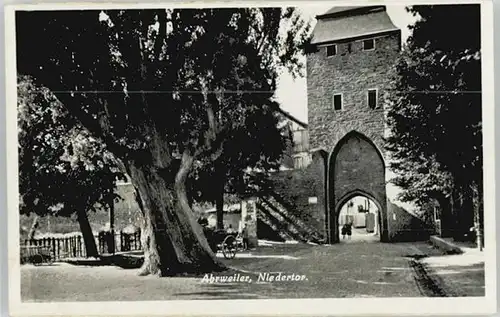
{"x": 356, "y": 168}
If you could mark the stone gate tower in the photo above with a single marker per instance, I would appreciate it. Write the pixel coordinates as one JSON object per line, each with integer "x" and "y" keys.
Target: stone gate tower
{"x": 354, "y": 49}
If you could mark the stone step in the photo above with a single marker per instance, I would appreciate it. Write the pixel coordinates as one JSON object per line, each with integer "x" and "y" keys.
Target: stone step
{"x": 447, "y": 246}
{"x": 264, "y": 218}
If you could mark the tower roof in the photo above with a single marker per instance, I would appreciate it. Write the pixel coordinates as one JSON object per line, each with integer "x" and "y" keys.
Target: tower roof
{"x": 336, "y": 10}
{"x": 340, "y": 23}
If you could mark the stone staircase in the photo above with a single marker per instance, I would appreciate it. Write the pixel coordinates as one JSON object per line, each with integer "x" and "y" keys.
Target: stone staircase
{"x": 274, "y": 213}
{"x": 272, "y": 227}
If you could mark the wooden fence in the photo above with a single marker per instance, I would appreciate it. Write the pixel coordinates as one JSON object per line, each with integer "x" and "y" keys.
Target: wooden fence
{"x": 74, "y": 247}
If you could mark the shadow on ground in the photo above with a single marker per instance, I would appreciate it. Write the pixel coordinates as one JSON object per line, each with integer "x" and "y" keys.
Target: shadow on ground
{"x": 337, "y": 271}
{"x": 124, "y": 261}
{"x": 134, "y": 260}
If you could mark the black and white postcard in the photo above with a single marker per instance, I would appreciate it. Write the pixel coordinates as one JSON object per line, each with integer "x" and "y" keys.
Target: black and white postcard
{"x": 234, "y": 158}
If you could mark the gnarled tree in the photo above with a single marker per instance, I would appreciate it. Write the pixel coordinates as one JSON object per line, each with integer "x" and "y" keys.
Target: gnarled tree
{"x": 163, "y": 89}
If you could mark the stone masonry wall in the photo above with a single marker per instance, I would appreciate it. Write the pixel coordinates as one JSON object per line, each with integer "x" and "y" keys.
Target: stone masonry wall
{"x": 403, "y": 226}
{"x": 293, "y": 190}
{"x": 358, "y": 167}
{"x": 351, "y": 74}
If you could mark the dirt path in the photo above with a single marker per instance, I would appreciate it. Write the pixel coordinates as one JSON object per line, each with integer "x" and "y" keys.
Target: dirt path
{"x": 364, "y": 269}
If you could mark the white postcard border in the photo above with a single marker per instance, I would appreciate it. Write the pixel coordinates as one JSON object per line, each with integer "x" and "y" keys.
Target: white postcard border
{"x": 345, "y": 307}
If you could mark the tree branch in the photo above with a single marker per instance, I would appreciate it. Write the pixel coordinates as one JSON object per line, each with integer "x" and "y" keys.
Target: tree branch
{"x": 261, "y": 44}
{"x": 162, "y": 32}
{"x": 211, "y": 138}
{"x": 289, "y": 116}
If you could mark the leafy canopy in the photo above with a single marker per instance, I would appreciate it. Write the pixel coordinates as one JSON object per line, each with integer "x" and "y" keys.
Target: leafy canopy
{"x": 62, "y": 169}
{"x": 154, "y": 84}
{"x": 435, "y": 103}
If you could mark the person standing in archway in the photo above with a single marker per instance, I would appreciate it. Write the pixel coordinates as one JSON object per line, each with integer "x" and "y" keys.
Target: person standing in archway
{"x": 349, "y": 230}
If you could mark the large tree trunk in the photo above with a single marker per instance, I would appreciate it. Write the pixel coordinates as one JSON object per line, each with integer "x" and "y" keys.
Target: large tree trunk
{"x": 111, "y": 245}
{"x": 87, "y": 234}
{"x": 481, "y": 214}
{"x": 446, "y": 206}
{"x": 464, "y": 214}
{"x": 220, "y": 181}
{"x": 172, "y": 240}
{"x": 34, "y": 227}
{"x": 219, "y": 201}
{"x": 468, "y": 215}
{"x": 219, "y": 207}
{"x": 478, "y": 216}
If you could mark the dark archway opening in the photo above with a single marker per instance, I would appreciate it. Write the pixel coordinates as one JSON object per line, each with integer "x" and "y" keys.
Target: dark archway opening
{"x": 361, "y": 215}
{"x": 356, "y": 168}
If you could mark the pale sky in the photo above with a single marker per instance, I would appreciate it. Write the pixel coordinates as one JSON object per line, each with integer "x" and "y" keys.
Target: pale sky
{"x": 292, "y": 94}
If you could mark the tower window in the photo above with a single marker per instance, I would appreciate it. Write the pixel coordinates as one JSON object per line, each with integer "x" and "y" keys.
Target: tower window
{"x": 372, "y": 98}
{"x": 337, "y": 101}
{"x": 331, "y": 50}
{"x": 369, "y": 45}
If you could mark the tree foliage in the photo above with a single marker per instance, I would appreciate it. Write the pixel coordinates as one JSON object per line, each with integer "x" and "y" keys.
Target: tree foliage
{"x": 164, "y": 90}
{"x": 435, "y": 105}
{"x": 248, "y": 155}
{"x": 61, "y": 167}
{"x": 63, "y": 171}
